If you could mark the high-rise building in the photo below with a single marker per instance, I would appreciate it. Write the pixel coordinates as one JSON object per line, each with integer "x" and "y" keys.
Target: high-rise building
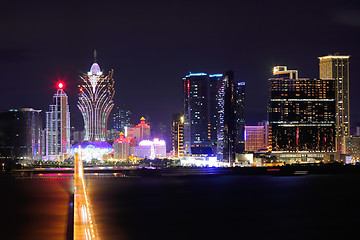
{"x": 178, "y": 135}
{"x": 200, "y": 113}
{"x": 301, "y": 113}
{"x": 121, "y": 118}
{"x": 214, "y": 80}
{"x": 196, "y": 113}
{"x": 336, "y": 67}
{"x": 20, "y": 134}
{"x": 58, "y": 126}
{"x": 231, "y": 122}
{"x": 95, "y": 102}
{"x": 213, "y": 115}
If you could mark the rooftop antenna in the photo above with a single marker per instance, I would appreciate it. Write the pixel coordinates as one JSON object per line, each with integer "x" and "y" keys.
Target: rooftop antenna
{"x": 95, "y": 55}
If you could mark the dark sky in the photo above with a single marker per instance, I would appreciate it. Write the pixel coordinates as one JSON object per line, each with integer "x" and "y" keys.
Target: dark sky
{"x": 151, "y": 45}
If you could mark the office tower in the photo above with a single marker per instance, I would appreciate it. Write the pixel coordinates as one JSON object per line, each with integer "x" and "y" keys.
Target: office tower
{"x": 58, "y": 126}
{"x": 301, "y": 113}
{"x": 95, "y": 102}
{"x": 178, "y": 135}
{"x": 213, "y": 109}
{"x": 231, "y": 122}
{"x": 199, "y": 110}
{"x": 140, "y": 132}
{"x": 121, "y": 118}
{"x": 20, "y": 134}
{"x": 196, "y": 113}
{"x": 256, "y": 137}
{"x": 336, "y": 67}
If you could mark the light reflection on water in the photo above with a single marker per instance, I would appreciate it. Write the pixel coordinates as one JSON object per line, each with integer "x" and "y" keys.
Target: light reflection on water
{"x": 188, "y": 207}
{"x": 223, "y": 207}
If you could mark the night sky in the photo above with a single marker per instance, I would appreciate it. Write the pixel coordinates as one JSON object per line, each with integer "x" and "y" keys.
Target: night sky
{"x": 151, "y": 45}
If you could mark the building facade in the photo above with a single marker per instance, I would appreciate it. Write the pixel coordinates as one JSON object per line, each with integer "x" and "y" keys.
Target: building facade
{"x": 214, "y": 80}
{"x": 231, "y": 122}
{"x": 150, "y": 149}
{"x": 58, "y": 126}
{"x": 140, "y": 132}
{"x": 20, "y": 134}
{"x": 121, "y": 118}
{"x": 336, "y": 67}
{"x": 178, "y": 135}
{"x": 95, "y": 102}
{"x": 196, "y": 113}
{"x": 213, "y": 115}
{"x": 121, "y": 147}
{"x": 256, "y": 137}
{"x": 301, "y": 114}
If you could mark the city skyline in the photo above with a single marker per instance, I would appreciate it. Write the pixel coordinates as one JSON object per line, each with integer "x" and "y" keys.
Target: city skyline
{"x": 150, "y": 55}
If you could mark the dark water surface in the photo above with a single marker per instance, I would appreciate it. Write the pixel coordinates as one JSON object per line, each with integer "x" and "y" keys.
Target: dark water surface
{"x": 315, "y": 206}
{"x": 227, "y": 207}
{"x": 34, "y": 208}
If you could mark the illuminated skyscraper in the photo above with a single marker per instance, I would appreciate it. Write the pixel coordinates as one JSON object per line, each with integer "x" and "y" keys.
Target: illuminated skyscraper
{"x": 213, "y": 115}
{"x": 178, "y": 135}
{"x": 231, "y": 122}
{"x": 95, "y": 102}
{"x": 301, "y": 113}
{"x": 199, "y": 108}
{"x": 58, "y": 126}
{"x": 121, "y": 118}
{"x": 214, "y": 80}
{"x": 336, "y": 67}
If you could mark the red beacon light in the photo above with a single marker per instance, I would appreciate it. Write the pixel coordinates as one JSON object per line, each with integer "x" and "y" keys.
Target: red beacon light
{"x": 60, "y": 85}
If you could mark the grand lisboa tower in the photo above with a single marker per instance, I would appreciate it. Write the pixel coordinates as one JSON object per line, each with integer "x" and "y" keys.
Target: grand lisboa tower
{"x": 95, "y": 101}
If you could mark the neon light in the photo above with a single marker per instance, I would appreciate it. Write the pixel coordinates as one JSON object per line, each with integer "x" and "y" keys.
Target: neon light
{"x": 196, "y": 74}
{"x": 95, "y": 102}
{"x": 215, "y": 75}
{"x": 92, "y": 150}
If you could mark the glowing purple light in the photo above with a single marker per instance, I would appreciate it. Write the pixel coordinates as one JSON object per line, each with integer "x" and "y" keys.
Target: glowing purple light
{"x": 95, "y": 69}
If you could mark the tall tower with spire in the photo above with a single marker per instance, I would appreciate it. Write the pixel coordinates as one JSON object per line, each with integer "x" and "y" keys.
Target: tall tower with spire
{"x": 58, "y": 126}
{"x": 95, "y": 101}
